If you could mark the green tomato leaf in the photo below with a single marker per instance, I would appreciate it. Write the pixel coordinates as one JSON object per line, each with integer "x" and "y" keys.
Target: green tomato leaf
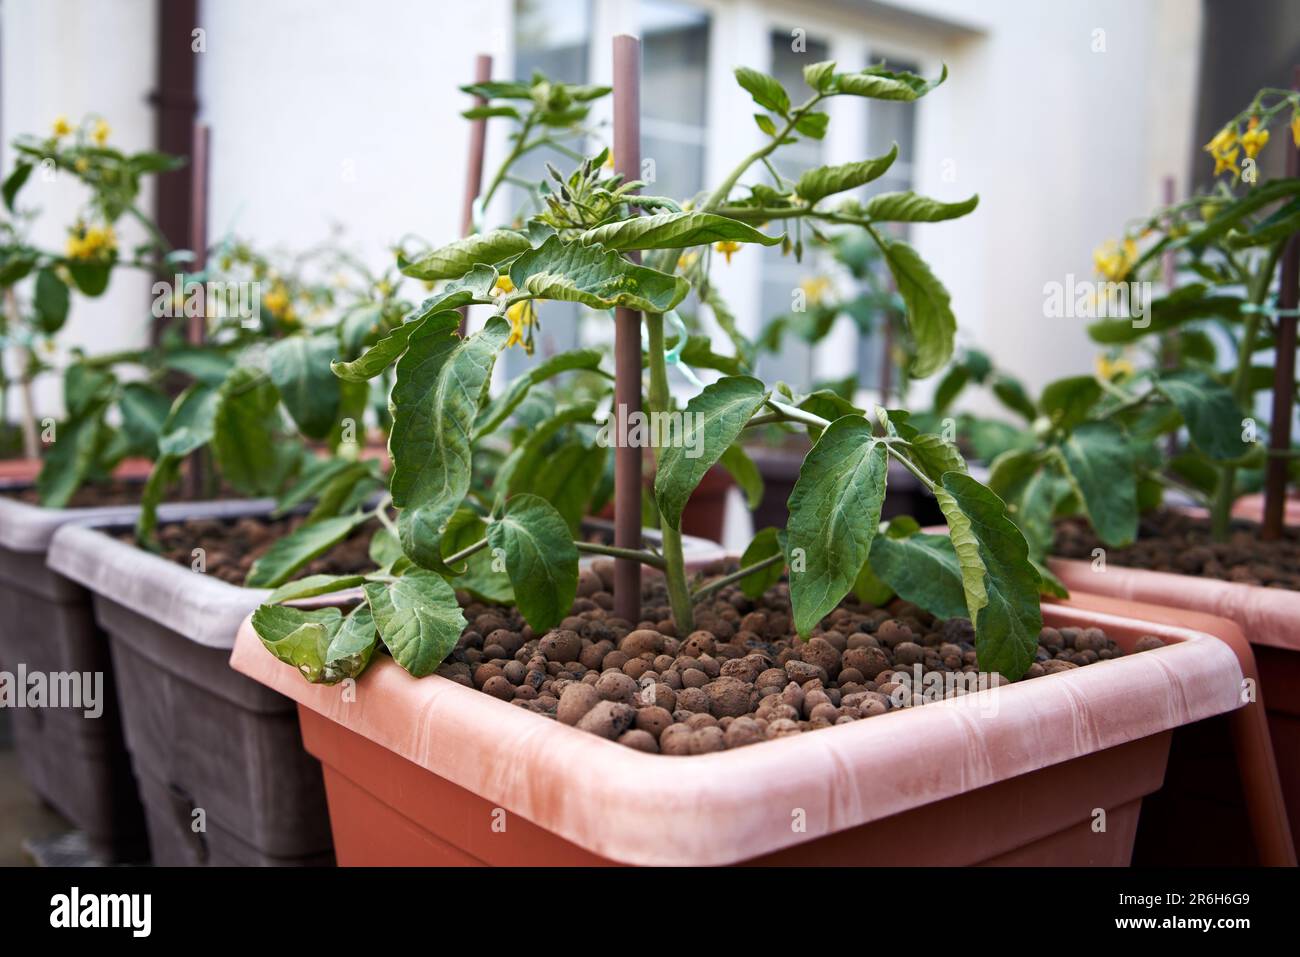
{"x": 594, "y": 276}
{"x": 455, "y": 259}
{"x": 766, "y": 91}
{"x": 288, "y": 554}
{"x": 713, "y": 420}
{"x": 817, "y": 184}
{"x": 765, "y": 544}
{"x": 1000, "y": 583}
{"x": 300, "y": 369}
{"x": 540, "y": 559}
{"x": 243, "y": 442}
{"x": 929, "y": 311}
{"x": 50, "y": 301}
{"x": 834, "y": 514}
{"x": 922, "y": 569}
{"x": 418, "y": 619}
{"x": 745, "y": 473}
{"x": 820, "y": 75}
{"x": 1209, "y": 410}
{"x": 1099, "y": 465}
{"x": 314, "y": 585}
{"x": 910, "y": 208}
{"x": 298, "y": 637}
{"x": 1067, "y": 402}
{"x": 675, "y": 231}
{"x": 500, "y": 408}
{"x": 881, "y": 84}
{"x": 483, "y": 576}
{"x": 440, "y": 385}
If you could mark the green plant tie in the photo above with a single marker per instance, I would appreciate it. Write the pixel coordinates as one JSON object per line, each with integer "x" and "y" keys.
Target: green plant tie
{"x": 673, "y": 356}
{"x": 1270, "y": 308}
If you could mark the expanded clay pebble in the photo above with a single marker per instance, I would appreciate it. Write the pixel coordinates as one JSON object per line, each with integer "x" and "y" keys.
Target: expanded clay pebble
{"x": 740, "y": 678}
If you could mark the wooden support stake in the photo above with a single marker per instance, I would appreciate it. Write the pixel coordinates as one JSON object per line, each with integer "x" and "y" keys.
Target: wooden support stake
{"x": 474, "y": 170}
{"x": 1283, "y": 369}
{"x": 627, "y": 343}
{"x": 196, "y": 330}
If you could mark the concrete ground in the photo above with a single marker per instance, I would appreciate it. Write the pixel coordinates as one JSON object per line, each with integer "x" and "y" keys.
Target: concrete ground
{"x": 22, "y": 815}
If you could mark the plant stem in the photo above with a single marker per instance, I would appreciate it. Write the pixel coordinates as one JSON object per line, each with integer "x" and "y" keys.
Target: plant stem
{"x": 1225, "y": 491}
{"x": 719, "y": 195}
{"x": 636, "y": 555}
{"x": 466, "y": 552}
{"x": 674, "y": 563}
{"x": 736, "y": 576}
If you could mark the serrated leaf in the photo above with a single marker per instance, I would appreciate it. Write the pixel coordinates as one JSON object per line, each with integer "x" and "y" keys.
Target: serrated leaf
{"x": 712, "y": 421}
{"x": 314, "y": 585}
{"x": 816, "y": 184}
{"x": 418, "y": 619}
{"x": 922, "y": 569}
{"x": 243, "y": 441}
{"x": 441, "y": 381}
{"x": 834, "y": 514}
{"x": 764, "y": 545}
{"x": 300, "y": 368}
{"x": 881, "y": 84}
{"x": 675, "y": 231}
{"x": 455, "y": 259}
{"x": 908, "y": 207}
{"x": 594, "y": 276}
{"x": 288, "y": 554}
{"x": 1210, "y": 412}
{"x": 540, "y": 559}
{"x": 929, "y": 310}
{"x": 992, "y": 551}
{"x": 1099, "y": 465}
{"x": 745, "y": 473}
{"x": 819, "y": 75}
{"x": 475, "y": 286}
{"x": 766, "y": 91}
{"x": 500, "y": 408}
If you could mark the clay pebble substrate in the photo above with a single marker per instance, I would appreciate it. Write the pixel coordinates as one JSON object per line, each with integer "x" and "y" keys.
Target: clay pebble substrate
{"x": 741, "y": 678}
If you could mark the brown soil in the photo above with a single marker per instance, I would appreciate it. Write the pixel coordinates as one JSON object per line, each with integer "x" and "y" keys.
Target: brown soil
{"x": 99, "y": 494}
{"x": 231, "y": 547}
{"x": 741, "y": 678}
{"x": 1170, "y": 541}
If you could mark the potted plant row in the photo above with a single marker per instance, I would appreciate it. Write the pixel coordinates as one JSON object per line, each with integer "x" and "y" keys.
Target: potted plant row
{"x": 765, "y": 712}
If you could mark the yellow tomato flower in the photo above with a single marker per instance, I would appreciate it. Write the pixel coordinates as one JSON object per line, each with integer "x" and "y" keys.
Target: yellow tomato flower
{"x": 1224, "y": 148}
{"x": 61, "y": 126}
{"x": 101, "y": 132}
{"x": 1114, "y": 260}
{"x": 81, "y": 165}
{"x": 503, "y": 285}
{"x": 687, "y": 260}
{"x": 1254, "y": 140}
{"x": 1110, "y": 370}
{"x": 521, "y": 316}
{"x": 1295, "y": 130}
{"x": 815, "y": 288}
{"x": 728, "y": 248}
{"x": 91, "y": 243}
{"x": 277, "y": 300}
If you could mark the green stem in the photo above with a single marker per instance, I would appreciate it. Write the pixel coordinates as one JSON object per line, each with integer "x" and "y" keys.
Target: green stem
{"x": 1225, "y": 492}
{"x": 674, "y": 562}
{"x": 725, "y": 580}
{"x": 719, "y": 195}
{"x": 466, "y": 552}
{"x": 636, "y": 555}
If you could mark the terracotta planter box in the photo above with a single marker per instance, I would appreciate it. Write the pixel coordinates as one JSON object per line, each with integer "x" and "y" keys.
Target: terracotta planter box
{"x": 430, "y": 772}
{"x": 1269, "y": 618}
{"x": 75, "y": 763}
{"x": 202, "y": 737}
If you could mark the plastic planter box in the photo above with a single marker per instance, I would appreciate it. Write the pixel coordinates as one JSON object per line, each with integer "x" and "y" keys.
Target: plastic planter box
{"x": 207, "y": 744}
{"x": 76, "y": 764}
{"x": 429, "y": 772}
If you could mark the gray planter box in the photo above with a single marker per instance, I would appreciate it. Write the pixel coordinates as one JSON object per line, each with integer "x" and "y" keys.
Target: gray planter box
{"x": 219, "y": 758}
{"x": 76, "y": 764}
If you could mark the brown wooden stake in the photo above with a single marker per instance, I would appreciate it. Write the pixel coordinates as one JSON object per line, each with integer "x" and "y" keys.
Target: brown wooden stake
{"x": 1283, "y": 369}
{"x": 1169, "y": 344}
{"x": 474, "y": 171}
{"x": 627, "y": 343}
{"x": 196, "y": 330}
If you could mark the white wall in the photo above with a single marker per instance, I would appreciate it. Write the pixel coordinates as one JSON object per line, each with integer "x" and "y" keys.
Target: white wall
{"x": 328, "y": 112}
{"x": 73, "y": 57}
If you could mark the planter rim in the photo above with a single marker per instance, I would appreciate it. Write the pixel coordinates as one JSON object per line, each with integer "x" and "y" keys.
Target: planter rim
{"x": 1268, "y": 616}
{"x": 29, "y": 528}
{"x": 735, "y": 805}
{"x": 201, "y": 607}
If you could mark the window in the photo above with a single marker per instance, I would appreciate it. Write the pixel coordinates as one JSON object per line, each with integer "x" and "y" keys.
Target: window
{"x": 675, "y": 59}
